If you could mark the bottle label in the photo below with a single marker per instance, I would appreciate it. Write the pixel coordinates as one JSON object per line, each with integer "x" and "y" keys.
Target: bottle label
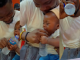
{"x": 13, "y": 42}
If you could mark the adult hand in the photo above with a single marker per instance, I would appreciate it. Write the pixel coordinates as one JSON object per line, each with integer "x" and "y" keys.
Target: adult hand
{"x": 3, "y": 42}
{"x": 34, "y": 36}
{"x": 62, "y": 12}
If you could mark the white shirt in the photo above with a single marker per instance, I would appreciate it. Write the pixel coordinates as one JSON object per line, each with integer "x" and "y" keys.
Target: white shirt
{"x": 70, "y": 32}
{"x": 50, "y": 48}
{"x": 7, "y": 30}
{"x": 32, "y": 17}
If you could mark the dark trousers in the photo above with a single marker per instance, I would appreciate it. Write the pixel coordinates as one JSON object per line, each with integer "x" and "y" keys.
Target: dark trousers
{"x": 70, "y": 53}
{"x": 29, "y": 53}
{"x": 7, "y": 57}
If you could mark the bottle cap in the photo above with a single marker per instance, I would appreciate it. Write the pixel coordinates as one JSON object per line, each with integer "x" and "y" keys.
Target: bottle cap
{"x": 17, "y": 37}
{"x": 69, "y": 9}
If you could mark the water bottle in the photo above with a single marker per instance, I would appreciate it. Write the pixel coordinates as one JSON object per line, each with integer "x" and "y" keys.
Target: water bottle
{"x": 12, "y": 41}
{"x": 43, "y": 49}
{"x": 69, "y": 9}
{"x": 5, "y": 51}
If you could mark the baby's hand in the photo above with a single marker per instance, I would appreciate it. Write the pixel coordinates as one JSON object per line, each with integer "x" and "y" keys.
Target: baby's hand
{"x": 12, "y": 47}
{"x": 44, "y": 40}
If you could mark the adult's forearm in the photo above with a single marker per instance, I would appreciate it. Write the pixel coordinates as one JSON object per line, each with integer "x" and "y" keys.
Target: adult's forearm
{"x": 23, "y": 35}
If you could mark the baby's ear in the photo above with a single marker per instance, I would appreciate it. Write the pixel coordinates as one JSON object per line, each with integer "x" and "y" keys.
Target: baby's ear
{"x": 57, "y": 26}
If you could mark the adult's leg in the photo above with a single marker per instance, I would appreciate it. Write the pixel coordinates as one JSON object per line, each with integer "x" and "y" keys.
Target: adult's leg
{"x": 2, "y": 56}
{"x": 69, "y": 54}
{"x": 78, "y": 56}
{"x": 11, "y": 55}
{"x": 7, "y": 57}
{"x": 29, "y": 53}
{"x": 32, "y": 53}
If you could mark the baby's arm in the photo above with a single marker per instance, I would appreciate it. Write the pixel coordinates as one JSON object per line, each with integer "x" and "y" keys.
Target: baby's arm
{"x": 15, "y": 48}
{"x": 50, "y": 41}
{"x": 54, "y": 42}
{"x": 18, "y": 50}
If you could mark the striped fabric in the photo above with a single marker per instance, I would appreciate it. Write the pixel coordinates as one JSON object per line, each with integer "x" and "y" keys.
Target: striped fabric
{"x": 71, "y": 53}
{"x": 29, "y": 53}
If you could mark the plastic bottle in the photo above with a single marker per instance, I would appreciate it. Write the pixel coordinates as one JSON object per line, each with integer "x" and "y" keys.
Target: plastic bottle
{"x": 69, "y": 9}
{"x": 43, "y": 49}
{"x": 5, "y": 51}
{"x": 12, "y": 41}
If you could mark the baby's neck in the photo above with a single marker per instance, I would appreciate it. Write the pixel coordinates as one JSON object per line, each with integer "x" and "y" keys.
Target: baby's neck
{"x": 49, "y": 34}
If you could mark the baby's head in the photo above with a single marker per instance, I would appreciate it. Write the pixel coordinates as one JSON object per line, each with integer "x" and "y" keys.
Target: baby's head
{"x": 17, "y": 29}
{"x": 50, "y": 23}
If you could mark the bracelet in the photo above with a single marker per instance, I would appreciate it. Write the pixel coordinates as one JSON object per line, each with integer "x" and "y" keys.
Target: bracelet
{"x": 26, "y": 36}
{"x": 21, "y": 34}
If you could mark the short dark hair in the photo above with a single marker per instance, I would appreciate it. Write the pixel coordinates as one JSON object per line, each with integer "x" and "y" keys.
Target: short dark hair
{"x": 17, "y": 6}
{"x": 4, "y": 2}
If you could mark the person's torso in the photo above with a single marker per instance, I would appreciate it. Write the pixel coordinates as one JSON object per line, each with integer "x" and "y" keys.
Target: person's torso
{"x": 35, "y": 21}
{"x": 33, "y": 16}
{"x": 70, "y": 32}
{"x": 7, "y": 30}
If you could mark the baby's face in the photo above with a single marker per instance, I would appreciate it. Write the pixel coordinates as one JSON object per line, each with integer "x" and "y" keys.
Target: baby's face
{"x": 50, "y": 24}
{"x": 17, "y": 30}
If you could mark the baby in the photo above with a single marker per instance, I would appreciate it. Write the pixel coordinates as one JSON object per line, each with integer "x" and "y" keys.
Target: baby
{"x": 15, "y": 47}
{"x": 51, "y": 25}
